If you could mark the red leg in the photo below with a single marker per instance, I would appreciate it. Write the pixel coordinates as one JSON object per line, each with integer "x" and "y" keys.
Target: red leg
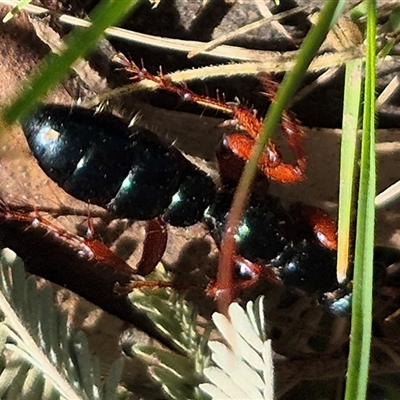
{"x": 271, "y": 163}
{"x": 253, "y": 272}
{"x": 90, "y": 226}
{"x": 103, "y": 254}
{"x": 323, "y": 226}
{"x": 89, "y": 248}
{"x": 98, "y": 257}
{"x": 61, "y": 256}
{"x": 153, "y": 247}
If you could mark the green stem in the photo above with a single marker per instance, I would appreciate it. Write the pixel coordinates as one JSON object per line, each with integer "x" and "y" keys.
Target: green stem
{"x": 361, "y": 327}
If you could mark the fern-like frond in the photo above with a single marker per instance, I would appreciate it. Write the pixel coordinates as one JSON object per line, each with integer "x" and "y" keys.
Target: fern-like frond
{"x": 169, "y": 311}
{"x": 178, "y": 374}
{"x": 42, "y": 356}
{"x": 243, "y": 370}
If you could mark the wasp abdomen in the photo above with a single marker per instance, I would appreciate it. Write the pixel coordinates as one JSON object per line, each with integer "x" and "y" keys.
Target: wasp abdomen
{"x": 96, "y": 158}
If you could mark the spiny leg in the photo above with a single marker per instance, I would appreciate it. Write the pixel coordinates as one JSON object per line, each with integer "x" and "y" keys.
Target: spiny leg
{"x": 153, "y": 247}
{"x": 249, "y": 274}
{"x": 271, "y": 163}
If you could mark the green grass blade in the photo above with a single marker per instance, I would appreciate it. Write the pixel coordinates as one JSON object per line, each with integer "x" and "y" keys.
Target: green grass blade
{"x": 351, "y": 114}
{"x": 360, "y": 341}
{"x": 18, "y": 7}
{"x": 79, "y": 43}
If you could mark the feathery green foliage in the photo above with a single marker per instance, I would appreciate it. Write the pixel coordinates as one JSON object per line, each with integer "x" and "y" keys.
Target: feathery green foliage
{"x": 244, "y": 369}
{"x": 42, "y": 357}
{"x": 178, "y": 374}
